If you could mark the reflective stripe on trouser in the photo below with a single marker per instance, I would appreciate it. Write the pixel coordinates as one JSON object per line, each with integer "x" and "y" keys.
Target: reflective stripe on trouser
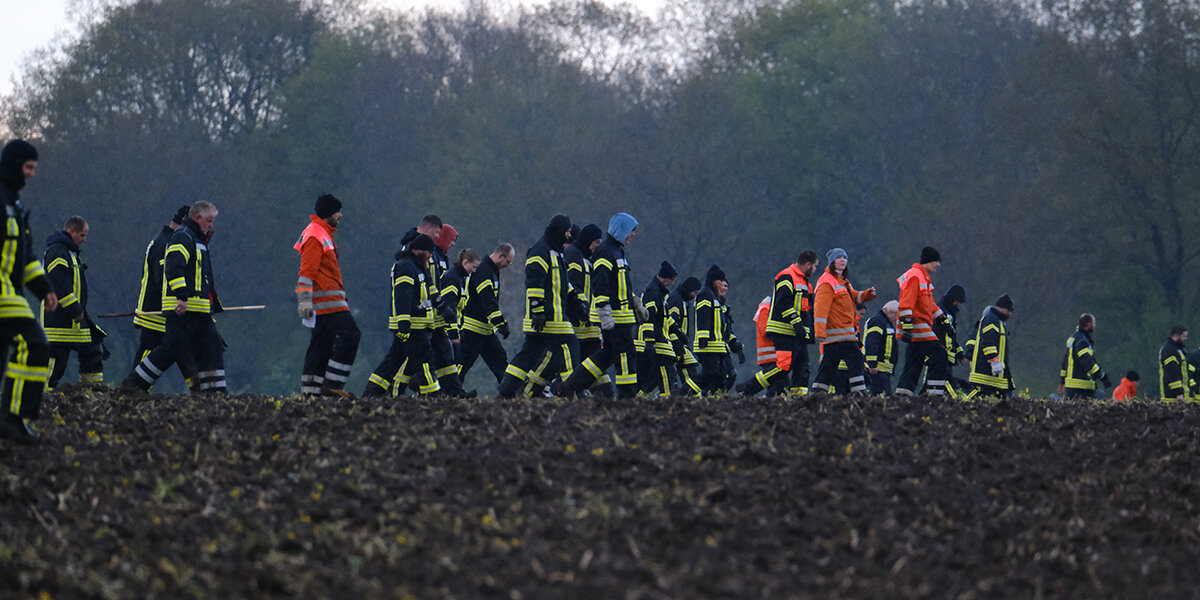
{"x": 28, "y": 369}
{"x": 833, "y": 355}
{"x": 797, "y": 367}
{"x": 654, "y": 372}
{"x": 151, "y": 339}
{"x": 445, "y": 364}
{"x": 474, "y": 346}
{"x": 91, "y": 362}
{"x": 917, "y": 356}
{"x": 617, "y": 351}
{"x": 212, "y": 380}
{"x": 542, "y": 357}
{"x": 332, "y": 349}
{"x": 689, "y": 376}
{"x": 190, "y": 335}
{"x": 414, "y": 356}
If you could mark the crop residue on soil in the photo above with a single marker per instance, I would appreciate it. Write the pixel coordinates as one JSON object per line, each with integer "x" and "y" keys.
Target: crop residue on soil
{"x": 258, "y": 497}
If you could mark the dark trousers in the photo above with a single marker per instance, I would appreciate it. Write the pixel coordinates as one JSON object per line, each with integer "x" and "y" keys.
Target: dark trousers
{"x": 918, "y": 355}
{"x": 879, "y": 384}
{"x": 331, "y": 352}
{"x": 714, "y": 372}
{"x": 91, "y": 362}
{"x": 655, "y": 371}
{"x": 774, "y": 378}
{"x": 150, "y": 339}
{"x": 827, "y": 372}
{"x": 415, "y": 355}
{"x": 28, "y": 366}
{"x": 188, "y": 335}
{"x": 475, "y": 345}
{"x": 618, "y": 351}
{"x": 982, "y": 390}
{"x": 445, "y": 362}
{"x": 543, "y": 357}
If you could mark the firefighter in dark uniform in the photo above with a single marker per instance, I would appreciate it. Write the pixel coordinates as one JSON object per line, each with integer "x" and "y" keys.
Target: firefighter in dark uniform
{"x": 410, "y": 322}
{"x": 990, "y": 373}
{"x": 29, "y": 359}
{"x": 790, "y": 327}
{"x": 453, "y": 287}
{"x": 947, "y": 333}
{"x": 70, "y": 328}
{"x": 879, "y": 348}
{"x": 657, "y": 357}
{"x": 617, "y": 309}
{"x": 1080, "y": 371}
{"x": 149, "y": 316}
{"x": 551, "y": 304}
{"x": 189, "y": 295}
{"x": 1173, "y": 377}
{"x": 687, "y": 369}
{"x": 482, "y": 322}
{"x": 579, "y": 271}
{"x": 713, "y": 334}
{"x": 442, "y": 335}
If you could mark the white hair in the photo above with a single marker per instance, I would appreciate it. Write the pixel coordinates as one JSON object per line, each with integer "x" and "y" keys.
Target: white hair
{"x": 891, "y": 306}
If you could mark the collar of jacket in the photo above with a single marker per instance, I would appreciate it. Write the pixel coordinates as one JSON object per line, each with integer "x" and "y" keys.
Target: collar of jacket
{"x": 458, "y": 268}
{"x": 797, "y": 273}
{"x": 1086, "y": 334}
{"x": 64, "y": 238}
{"x": 195, "y": 227}
{"x": 999, "y": 315}
{"x": 319, "y": 221}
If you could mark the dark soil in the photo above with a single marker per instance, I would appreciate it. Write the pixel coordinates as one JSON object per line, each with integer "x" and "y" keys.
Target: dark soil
{"x": 258, "y": 497}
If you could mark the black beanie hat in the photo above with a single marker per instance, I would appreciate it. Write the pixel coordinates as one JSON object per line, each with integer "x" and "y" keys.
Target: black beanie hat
{"x": 181, "y": 215}
{"x": 956, "y": 293}
{"x": 714, "y": 274}
{"x": 12, "y": 162}
{"x": 327, "y": 206}
{"x": 556, "y": 230}
{"x": 691, "y": 284}
{"x": 1133, "y": 376}
{"x": 588, "y": 234}
{"x": 421, "y": 242}
{"x": 667, "y": 270}
{"x": 1004, "y": 302}
{"x": 930, "y": 254}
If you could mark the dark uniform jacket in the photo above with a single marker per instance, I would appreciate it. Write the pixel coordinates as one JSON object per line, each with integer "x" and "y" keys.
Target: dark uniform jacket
{"x": 443, "y": 317}
{"x": 1173, "y": 370}
{"x": 879, "y": 343}
{"x": 791, "y": 306}
{"x": 453, "y": 286}
{"x": 610, "y": 282}
{"x": 548, "y": 294}
{"x": 67, "y": 276}
{"x": 655, "y": 334}
{"x": 579, "y": 273}
{"x": 17, "y": 250}
{"x": 151, "y": 295}
{"x": 991, "y": 343}
{"x": 1080, "y": 371}
{"x": 481, "y": 314}
{"x": 411, "y": 307}
{"x": 187, "y": 271}
{"x": 711, "y": 327}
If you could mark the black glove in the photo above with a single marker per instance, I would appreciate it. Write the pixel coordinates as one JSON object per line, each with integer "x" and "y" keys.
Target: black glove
{"x": 906, "y": 327}
{"x": 502, "y": 329}
{"x": 741, "y": 356}
{"x": 800, "y": 330}
{"x": 452, "y": 333}
{"x": 1106, "y": 381}
{"x": 677, "y": 347}
{"x": 449, "y": 315}
{"x": 538, "y": 321}
{"x": 735, "y": 345}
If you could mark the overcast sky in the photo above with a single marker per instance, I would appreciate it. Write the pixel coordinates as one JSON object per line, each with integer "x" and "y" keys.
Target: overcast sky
{"x": 32, "y": 24}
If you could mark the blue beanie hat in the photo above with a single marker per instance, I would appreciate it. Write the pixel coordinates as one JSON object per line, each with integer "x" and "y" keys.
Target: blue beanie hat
{"x": 621, "y": 225}
{"x": 835, "y": 254}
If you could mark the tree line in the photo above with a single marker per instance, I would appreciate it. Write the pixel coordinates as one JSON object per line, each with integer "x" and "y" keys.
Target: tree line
{"x": 1049, "y": 150}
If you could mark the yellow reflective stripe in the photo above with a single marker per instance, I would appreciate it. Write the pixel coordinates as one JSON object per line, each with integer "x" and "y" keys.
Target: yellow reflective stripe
{"x": 177, "y": 283}
{"x": 68, "y": 300}
{"x": 180, "y": 248}
{"x": 58, "y": 262}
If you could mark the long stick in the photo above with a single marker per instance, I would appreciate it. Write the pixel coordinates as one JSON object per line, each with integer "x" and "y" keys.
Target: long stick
{"x": 145, "y": 314}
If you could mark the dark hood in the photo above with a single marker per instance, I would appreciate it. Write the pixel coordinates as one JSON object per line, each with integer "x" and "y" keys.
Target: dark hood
{"x": 12, "y": 160}
{"x": 956, "y": 293}
{"x": 64, "y": 238}
{"x": 556, "y": 231}
{"x": 587, "y": 235}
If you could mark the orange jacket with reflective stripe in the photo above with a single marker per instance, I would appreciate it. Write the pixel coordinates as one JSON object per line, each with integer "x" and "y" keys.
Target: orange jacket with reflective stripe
{"x": 917, "y": 303}
{"x": 766, "y": 347}
{"x": 319, "y": 269}
{"x": 1126, "y": 390}
{"x": 833, "y": 308}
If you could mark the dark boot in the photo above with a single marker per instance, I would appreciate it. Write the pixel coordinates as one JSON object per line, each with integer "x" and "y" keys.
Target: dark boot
{"x": 15, "y": 429}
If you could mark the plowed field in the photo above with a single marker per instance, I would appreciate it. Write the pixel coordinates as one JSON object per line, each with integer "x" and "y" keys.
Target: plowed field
{"x": 257, "y": 497}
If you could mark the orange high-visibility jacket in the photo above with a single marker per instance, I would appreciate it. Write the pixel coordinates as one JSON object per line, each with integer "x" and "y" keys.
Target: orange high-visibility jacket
{"x": 917, "y": 303}
{"x": 1126, "y": 390}
{"x": 320, "y": 272}
{"x": 833, "y": 310}
{"x": 766, "y": 347}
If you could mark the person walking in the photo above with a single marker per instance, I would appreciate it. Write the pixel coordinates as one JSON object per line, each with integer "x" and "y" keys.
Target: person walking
{"x": 990, "y": 371}
{"x": 789, "y": 327}
{"x": 879, "y": 349}
{"x": 836, "y": 325}
{"x": 917, "y": 314}
{"x": 482, "y": 322}
{"x": 322, "y": 304}
{"x": 29, "y": 363}
{"x": 410, "y": 322}
{"x": 1080, "y": 369}
{"x": 70, "y": 328}
{"x": 1173, "y": 380}
{"x": 148, "y": 317}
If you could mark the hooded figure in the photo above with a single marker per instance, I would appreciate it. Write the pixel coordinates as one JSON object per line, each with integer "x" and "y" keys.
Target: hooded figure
{"x": 590, "y": 233}
{"x": 621, "y": 225}
{"x": 558, "y": 232}
{"x": 951, "y": 300}
{"x": 12, "y": 164}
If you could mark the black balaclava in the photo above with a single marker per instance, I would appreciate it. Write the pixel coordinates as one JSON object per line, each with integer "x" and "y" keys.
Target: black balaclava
{"x": 556, "y": 231}
{"x": 12, "y": 161}
{"x": 588, "y": 234}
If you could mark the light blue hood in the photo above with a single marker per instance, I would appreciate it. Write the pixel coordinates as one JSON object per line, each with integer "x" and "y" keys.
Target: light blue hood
{"x": 621, "y": 225}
